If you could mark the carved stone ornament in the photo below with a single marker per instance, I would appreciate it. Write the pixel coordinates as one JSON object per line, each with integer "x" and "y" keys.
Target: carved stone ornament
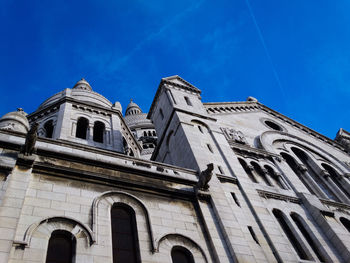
{"x": 28, "y": 147}
{"x": 204, "y": 177}
{"x": 343, "y": 137}
{"x": 302, "y": 167}
{"x": 234, "y": 135}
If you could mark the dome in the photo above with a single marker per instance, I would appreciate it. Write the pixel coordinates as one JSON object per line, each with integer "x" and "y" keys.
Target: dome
{"x": 132, "y": 109}
{"x": 15, "y": 121}
{"x": 82, "y": 84}
{"x": 81, "y": 91}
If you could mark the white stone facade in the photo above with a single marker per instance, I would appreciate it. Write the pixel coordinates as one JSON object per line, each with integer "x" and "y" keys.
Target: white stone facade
{"x": 277, "y": 191}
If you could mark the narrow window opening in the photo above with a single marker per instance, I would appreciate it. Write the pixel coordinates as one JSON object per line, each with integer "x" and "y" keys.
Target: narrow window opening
{"x": 260, "y": 172}
{"x": 290, "y": 235}
{"x": 247, "y": 170}
{"x": 99, "y": 130}
{"x": 82, "y": 126}
{"x": 124, "y": 234}
{"x": 273, "y": 176}
{"x": 48, "y": 126}
{"x": 345, "y": 222}
{"x": 209, "y": 147}
{"x": 294, "y": 166}
{"x": 305, "y": 160}
{"x": 252, "y": 233}
{"x": 189, "y": 103}
{"x": 181, "y": 255}
{"x": 235, "y": 199}
{"x": 145, "y": 133}
{"x": 220, "y": 169}
{"x": 335, "y": 178}
{"x": 200, "y": 129}
{"x": 61, "y": 248}
{"x": 306, "y": 234}
{"x": 154, "y": 133}
{"x": 149, "y": 133}
{"x": 161, "y": 114}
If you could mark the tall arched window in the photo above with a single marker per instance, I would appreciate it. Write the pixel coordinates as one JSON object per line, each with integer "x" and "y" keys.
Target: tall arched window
{"x": 292, "y": 237}
{"x": 260, "y": 173}
{"x": 345, "y": 222}
{"x": 305, "y": 159}
{"x": 275, "y": 178}
{"x": 82, "y": 126}
{"x": 48, "y": 126}
{"x": 309, "y": 236}
{"x": 124, "y": 234}
{"x": 99, "y": 130}
{"x": 247, "y": 170}
{"x": 335, "y": 178}
{"x": 181, "y": 255}
{"x": 294, "y": 166}
{"x": 61, "y": 248}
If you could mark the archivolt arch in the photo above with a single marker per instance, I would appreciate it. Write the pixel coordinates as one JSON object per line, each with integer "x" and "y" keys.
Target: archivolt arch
{"x": 46, "y": 226}
{"x": 269, "y": 138}
{"x": 101, "y": 208}
{"x": 168, "y": 241}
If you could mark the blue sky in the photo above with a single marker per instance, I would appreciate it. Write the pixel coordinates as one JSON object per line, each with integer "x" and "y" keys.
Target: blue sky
{"x": 293, "y": 56}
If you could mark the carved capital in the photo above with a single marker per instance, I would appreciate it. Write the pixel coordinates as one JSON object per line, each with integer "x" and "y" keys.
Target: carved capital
{"x": 264, "y": 170}
{"x": 346, "y": 175}
{"x": 302, "y": 167}
{"x": 250, "y": 167}
{"x": 325, "y": 174}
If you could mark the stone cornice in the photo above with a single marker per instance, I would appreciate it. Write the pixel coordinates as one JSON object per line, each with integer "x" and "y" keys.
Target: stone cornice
{"x": 66, "y": 150}
{"x": 247, "y": 150}
{"x": 271, "y": 195}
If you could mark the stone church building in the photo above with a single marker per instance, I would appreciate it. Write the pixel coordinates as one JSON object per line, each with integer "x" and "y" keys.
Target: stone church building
{"x": 186, "y": 182}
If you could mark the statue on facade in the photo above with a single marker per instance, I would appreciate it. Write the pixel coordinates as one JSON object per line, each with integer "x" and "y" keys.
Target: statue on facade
{"x": 28, "y": 147}
{"x": 204, "y": 177}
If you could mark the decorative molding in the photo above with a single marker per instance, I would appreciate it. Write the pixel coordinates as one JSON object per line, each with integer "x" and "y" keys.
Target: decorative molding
{"x": 271, "y": 195}
{"x": 335, "y": 204}
{"x": 226, "y": 179}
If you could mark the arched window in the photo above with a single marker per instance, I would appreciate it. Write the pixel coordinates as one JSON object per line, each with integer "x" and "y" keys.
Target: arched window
{"x": 309, "y": 236}
{"x": 274, "y": 176}
{"x": 154, "y": 133}
{"x": 304, "y": 158}
{"x": 345, "y": 222}
{"x": 292, "y": 237}
{"x": 294, "y": 166}
{"x": 82, "y": 126}
{"x": 247, "y": 170}
{"x": 181, "y": 255}
{"x": 99, "y": 130}
{"x": 61, "y": 248}
{"x": 335, "y": 178}
{"x": 48, "y": 126}
{"x": 145, "y": 133}
{"x": 260, "y": 172}
{"x": 149, "y": 133}
{"x": 124, "y": 234}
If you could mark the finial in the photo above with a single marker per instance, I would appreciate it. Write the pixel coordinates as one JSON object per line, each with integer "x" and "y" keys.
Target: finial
{"x": 19, "y": 109}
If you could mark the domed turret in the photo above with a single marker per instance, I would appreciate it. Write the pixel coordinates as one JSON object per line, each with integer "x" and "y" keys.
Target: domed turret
{"x": 132, "y": 109}
{"x": 15, "y": 121}
{"x": 82, "y": 84}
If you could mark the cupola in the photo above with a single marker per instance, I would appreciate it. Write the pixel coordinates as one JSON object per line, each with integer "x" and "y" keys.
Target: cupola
{"x": 132, "y": 109}
{"x": 15, "y": 121}
{"x": 82, "y": 84}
